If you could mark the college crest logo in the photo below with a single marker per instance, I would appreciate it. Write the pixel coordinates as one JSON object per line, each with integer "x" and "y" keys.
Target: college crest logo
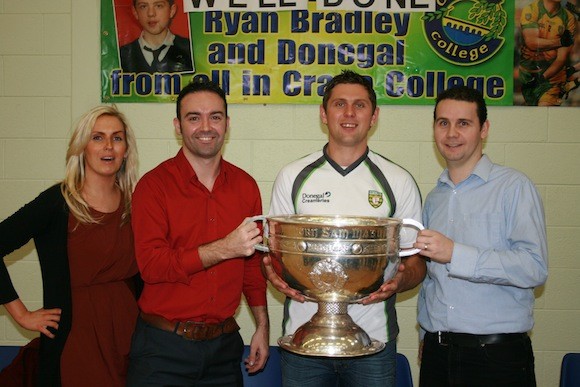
{"x": 375, "y": 198}
{"x": 466, "y": 32}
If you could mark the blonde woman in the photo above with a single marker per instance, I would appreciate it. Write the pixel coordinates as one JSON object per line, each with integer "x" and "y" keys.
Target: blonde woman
{"x": 82, "y": 231}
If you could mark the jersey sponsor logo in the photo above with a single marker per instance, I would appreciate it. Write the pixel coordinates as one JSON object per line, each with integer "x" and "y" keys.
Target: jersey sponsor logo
{"x": 375, "y": 198}
{"x": 466, "y": 32}
{"x": 323, "y": 197}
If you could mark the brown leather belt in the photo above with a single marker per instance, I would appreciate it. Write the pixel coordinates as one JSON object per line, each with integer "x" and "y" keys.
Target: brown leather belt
{"x": 192, "y": 330}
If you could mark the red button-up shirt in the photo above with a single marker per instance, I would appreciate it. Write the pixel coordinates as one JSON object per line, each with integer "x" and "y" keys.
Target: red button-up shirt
{"x": 172, "y": 215}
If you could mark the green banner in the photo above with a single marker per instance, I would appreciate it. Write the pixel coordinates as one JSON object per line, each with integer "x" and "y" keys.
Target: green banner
{"x": 289, "y": 56}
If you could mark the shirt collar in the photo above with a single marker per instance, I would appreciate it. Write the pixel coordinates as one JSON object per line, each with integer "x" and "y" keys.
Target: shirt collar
{"x": 169, "y": 38}
{"x": 482, "y": 170}
{"x": 339, "y": 168}
{"x": 187, "y": 172}
{"x": 543, "y": 9}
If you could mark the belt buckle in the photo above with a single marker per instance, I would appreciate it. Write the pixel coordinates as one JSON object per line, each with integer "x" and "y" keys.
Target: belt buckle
{"x": 440, "y": 339}
{"x": 192, "y": 330}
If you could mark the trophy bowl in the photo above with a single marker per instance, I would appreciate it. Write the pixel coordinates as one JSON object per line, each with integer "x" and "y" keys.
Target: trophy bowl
{"x": 334, "y": 261}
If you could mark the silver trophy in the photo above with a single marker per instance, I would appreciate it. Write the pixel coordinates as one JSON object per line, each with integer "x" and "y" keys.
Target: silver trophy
{"x": 334, "y": 261}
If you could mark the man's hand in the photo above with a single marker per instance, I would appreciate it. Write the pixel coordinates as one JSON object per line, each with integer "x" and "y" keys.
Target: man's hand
{"x": 387, "y": 289}
{"x": 567, "y": 39}
{"x": 241, "y": 241}
{"x": 260, "y": 342}
{"x": 238, "y": 243}
{"x": 279, "y": 283}
{"x": 435, "y": 246}
{"x": 410, "y": 273}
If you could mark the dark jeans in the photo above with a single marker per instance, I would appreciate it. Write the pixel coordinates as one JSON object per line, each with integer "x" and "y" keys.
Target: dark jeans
{"x": 376, "y": 370}
{"x": 160, "y": 358}
{"x": 506, "y": 364}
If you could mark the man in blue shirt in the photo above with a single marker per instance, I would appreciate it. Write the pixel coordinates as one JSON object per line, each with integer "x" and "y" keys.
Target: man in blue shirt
{"x": 485, "y": 241}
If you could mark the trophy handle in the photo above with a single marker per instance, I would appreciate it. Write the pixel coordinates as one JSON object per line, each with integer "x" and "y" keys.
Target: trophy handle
{"x": 412, "y": 223}
{"x": 261, "y": 218}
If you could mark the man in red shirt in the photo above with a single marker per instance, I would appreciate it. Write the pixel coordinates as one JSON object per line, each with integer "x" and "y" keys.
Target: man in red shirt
{"x": 195, "y": 251}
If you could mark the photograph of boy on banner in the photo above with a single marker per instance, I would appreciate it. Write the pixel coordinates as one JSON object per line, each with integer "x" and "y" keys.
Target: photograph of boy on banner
{"x": 147, "y": 43}
{"x": 548, "y": 59}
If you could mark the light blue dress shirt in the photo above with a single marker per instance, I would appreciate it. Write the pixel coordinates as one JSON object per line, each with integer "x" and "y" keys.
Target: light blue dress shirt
{"x": 496, "y": 219}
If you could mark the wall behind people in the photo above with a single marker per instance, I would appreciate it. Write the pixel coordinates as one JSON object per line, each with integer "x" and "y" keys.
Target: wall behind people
{"x": 49, "y": 75}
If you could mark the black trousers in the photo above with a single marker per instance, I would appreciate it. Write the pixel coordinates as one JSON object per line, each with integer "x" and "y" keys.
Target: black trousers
{"x": 504, "y": 364}
{"x": 161, "y": 358}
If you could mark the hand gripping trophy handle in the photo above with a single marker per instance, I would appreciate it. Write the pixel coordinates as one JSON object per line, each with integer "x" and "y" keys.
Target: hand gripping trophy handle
{"x": 261, "y": 218}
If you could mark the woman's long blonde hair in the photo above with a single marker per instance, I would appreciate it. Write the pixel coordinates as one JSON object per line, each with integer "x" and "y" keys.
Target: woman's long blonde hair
{"x": 72, "y": 185}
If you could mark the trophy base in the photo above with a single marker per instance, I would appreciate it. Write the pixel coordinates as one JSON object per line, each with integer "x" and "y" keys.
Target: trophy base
{"x": 330, "y": 336}
{"x": 328, "y": 349}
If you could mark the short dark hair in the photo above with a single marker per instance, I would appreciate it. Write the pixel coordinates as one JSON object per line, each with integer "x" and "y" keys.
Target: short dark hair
{"x": 198, "y": 85}
{"x": 349, "y": 77}
{"x": 466, "y": 94}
